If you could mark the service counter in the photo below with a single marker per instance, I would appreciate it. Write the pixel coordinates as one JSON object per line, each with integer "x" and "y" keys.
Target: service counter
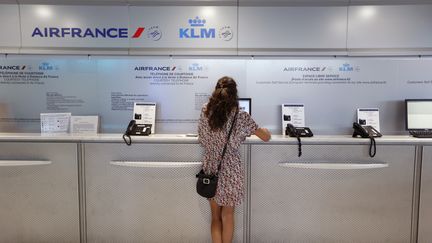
{"x": 183, "y": 138}
{"x": 69, "y": 188}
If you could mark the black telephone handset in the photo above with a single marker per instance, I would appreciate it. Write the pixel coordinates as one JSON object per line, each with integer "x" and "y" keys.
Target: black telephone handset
{"x": 129, "y": 128}
{"x": 293, "y": 131}
{"x": 290, "y": 130}
{"x": 136, "y": 129}
{"x": 298, "y": 132}
{"x": 367, "y": 132}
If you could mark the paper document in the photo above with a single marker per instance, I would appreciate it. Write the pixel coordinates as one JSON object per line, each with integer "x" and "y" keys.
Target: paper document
{"x": 55, "y": 122}
{"x": 84, "y": 124}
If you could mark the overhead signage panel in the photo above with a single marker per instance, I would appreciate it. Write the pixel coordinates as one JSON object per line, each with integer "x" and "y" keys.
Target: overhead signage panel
{"x": 412, "y": 27}
{"x": 9, "y": 25}
{"x": 46, "y": 26}
{"x": 185, "y": 27}
{"x": 291, "y": 28}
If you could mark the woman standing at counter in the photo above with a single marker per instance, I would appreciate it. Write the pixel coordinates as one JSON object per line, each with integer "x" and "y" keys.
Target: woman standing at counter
{"x": 215, "y": 122}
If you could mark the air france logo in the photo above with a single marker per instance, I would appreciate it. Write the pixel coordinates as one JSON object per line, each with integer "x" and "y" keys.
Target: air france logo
{"x": 138, "y": 32}
{"x": 12, "y": 67}
{"x": 197, "y": 30}
{"x": 304, "y": 69}
{"x": 108, "y": 33}
{"x": 155, "y": 68}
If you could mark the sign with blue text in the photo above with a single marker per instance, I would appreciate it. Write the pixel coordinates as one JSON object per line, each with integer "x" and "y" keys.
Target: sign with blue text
{"x": 48, "y": 26}
{"x": 204, "y": 27}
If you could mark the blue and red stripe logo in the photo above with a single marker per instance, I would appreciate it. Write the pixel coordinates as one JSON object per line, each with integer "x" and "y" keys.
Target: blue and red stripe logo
{"x": 138, "y": 32}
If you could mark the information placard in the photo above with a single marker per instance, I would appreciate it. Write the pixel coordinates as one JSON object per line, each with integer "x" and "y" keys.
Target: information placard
{"x": 55, "y": 122}
{"x": 294, "y": 114}
{"x": 145, "y": 113}
{"x": 368, "y": 117}
{"x": 85, "y": 125}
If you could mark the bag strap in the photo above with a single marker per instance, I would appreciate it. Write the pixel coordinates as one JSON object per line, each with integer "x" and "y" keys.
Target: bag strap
{"x": 224, "y": 149}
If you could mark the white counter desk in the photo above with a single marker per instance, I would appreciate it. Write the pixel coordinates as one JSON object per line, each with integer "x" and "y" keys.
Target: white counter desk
{"x": 182, "y": 138}
{"x": 57, "y": 188}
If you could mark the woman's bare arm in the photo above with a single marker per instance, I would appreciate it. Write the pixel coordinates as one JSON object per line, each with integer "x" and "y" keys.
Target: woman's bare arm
{"x": 263, "y": 133}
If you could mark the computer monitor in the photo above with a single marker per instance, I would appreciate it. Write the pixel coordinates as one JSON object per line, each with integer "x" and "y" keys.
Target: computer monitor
{"x": 418, "y": 114}
{"x": 245, "y": 104}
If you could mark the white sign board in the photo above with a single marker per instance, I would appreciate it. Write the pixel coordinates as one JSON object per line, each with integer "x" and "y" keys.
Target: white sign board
{"x": 9, "y": 26}
{"x": 280, "y": 28}
{"x": 75, "y": 26}
{"x": 332, "y": 89}
{"x": 195, "y": 27}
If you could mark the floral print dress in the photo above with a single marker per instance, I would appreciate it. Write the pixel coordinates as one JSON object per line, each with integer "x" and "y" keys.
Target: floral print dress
{"x": 230, "y": 190}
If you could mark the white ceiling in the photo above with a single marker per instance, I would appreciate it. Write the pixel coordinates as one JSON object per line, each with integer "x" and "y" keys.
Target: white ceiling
{"x": 218, "y": 2}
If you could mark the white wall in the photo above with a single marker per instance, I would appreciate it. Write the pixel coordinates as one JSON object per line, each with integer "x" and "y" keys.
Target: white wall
{"x": 229, "y": 30}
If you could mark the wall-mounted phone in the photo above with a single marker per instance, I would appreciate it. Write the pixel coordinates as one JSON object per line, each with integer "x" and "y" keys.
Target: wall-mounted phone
{"x": 293, "y": 131}
{"x": 367, "y": 132}
{"x": 134, "y": 129}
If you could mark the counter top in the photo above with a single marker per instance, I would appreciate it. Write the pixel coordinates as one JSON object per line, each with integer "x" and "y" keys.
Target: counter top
{"x": 183, "y": 138}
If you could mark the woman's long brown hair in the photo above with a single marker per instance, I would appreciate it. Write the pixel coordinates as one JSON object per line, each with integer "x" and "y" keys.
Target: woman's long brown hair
{"x": 222, "y": 102}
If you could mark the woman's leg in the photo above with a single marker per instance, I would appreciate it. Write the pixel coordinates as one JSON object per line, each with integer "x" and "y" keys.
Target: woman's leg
{"x": 216, "y": 223}
{"x": 227, "y": 224}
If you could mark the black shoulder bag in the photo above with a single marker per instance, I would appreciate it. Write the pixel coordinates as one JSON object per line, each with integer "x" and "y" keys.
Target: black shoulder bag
{"x": 207, "y": 184}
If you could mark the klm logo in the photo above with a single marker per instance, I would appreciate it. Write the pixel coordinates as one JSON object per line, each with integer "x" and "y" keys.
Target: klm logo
{"x": 197, "y": 30}
{"x": 346, "y": 68}
{"x": 195, "y": 67}
{"x": 46, "y": 66}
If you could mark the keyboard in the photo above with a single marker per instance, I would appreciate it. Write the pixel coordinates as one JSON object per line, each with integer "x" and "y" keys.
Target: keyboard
{"x": 421, "y": 133}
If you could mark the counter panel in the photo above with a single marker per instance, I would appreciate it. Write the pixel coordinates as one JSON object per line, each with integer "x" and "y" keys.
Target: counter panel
{"x": 333, "y": 193}
{"x": 147, "y": 191}
{"x": 39, "y": 192}
{"x": 425, "y": 211}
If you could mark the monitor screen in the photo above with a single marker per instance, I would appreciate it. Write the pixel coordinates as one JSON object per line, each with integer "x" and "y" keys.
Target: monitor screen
{"x": 418, "y": 114}
{"x": 245, "y": 104}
